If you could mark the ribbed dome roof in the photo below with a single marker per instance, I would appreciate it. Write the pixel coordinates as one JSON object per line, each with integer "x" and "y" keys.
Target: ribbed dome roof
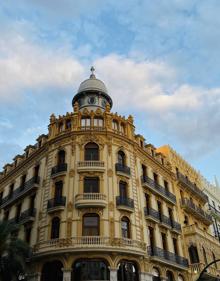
{"x": 92, "y": 84}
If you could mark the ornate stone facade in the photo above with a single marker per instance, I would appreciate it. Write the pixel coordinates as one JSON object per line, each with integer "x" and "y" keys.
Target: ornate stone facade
{"x": 97, "y": 203}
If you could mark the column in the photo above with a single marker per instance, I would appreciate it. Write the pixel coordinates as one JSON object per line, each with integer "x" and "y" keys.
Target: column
{"x": 66, "y": 274}
{"x": 113, "y": 274}
{"x": 144, "y": 276}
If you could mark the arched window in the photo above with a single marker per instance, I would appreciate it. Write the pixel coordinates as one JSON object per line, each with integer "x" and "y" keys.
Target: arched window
{"x": 60, "y": 127}
{"x": 193, "y": 254}
{"x": 214, "y": 258}
{"x": 91, "y": 185}
{"x": 123, "y": 189}
{"x": 55, "y": 228}
{"x": 115, "y": 125}
{"x": 127, "y": 270}
{"x": 52, "y": 271}
{"x": 125, "y": 227}
{"x": 91, "y": 269}
{"x": 122, "y": 129}
{"x": 204, "y": 255}
{"x": 91, "y": 152}
{"x": 61, "y": 157}
{"x": 68, "y": 124}
{"x": 169, "y": 276}
{"x": 156, "y": 274}
{"x": 180, "y": 278}
{"x": 121, "y": 158}
{"x": 85, "y": 122}
{"x": 90, "y": 225}
{"x": 98, "y": 122}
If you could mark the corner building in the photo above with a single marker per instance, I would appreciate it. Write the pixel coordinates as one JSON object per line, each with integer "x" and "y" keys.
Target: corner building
{"x": 94, "y": 201}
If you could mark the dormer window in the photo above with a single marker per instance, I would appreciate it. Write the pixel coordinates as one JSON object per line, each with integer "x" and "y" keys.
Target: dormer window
{"x": 86, "y": 122}
{"x": 68, "y": 124}
{"x": 115, "y": 125}
{"x": 60, "y": 128}
{"x": 98, "y": 122}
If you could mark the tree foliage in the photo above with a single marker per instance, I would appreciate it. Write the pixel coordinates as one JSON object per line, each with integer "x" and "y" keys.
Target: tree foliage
{"x": 13, "y": 252}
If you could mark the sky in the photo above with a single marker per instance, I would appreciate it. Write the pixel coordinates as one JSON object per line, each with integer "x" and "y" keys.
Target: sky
{"x": 160, "y": 61}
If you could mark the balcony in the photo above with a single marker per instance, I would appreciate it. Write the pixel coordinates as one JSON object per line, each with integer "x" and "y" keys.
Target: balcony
{"x": 86, "y": 200}
{"x": 214, "y": 212}
{"x": 56, "y": 204}
{"x": 85, "y": 166}
{"x": 27, "y": 216}
{"x": 29, "y": 186}
{"x": 197, "y": 212}
{"x": 151, "y": 214}
{"x": 195, "y": 233}
{"x": 122, "y": 170}
{"x": 158, "y": 189}
{"x": 192, "y": 187}
{"x": 86, "y": 243}
{"x": 58, "y": 170}
{"x": 125, "y": 204}
{"x": 163, "y": 256}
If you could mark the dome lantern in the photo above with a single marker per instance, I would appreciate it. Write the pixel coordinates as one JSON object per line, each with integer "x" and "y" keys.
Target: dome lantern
{"x": 92, "y": 94}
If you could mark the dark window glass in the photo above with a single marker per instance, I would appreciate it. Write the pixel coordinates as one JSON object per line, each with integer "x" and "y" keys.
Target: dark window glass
{"x": 170, "y": 276}
{"x": 164, "y": 241}
{"x": 58, "y": 189}
{"x": 90, "y": 225}
{"x": 91, "y": 152}
{"x": 123, "y": 189}
{"x": 125, "y": 227}
{"x": 193, "y": 254}
{"x": 91, "y": 185}
{"x": 18, "y": 213}
{"x": 28, "y": 234}
{"x": 90, "y": 270}
{"x": 11, "y": 189}
{"x": 61, "y": 157}
{"x": 55, "y": 228}
{"x": 175, "y": 246}
{"x": 151, "y": 235}
{"x": 121, "y": 158}
{"x": 127, "y": 271}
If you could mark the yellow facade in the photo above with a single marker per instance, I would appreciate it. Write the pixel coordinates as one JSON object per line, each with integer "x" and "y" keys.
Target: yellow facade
{"x": 140, "y": 207}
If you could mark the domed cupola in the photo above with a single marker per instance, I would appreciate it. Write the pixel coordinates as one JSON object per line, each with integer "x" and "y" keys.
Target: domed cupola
{"x": 92, "y": 94}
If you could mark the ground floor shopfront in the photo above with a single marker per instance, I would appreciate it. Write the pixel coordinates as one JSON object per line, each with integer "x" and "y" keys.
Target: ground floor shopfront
{"x": 114, "y": 267}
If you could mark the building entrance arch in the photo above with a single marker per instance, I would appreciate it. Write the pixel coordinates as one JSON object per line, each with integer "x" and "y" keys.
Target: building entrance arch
{"x": 127, "y": 271}
{"x": 90, "y": 269}
{"x": 52, "y": 271}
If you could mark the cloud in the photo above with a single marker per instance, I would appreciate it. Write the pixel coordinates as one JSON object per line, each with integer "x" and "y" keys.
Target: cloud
{"x": 24, "y": 65}
{"x": 185, "y": 113}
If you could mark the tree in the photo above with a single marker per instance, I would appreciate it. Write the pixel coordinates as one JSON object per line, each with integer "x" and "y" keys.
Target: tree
{"x": 13, "y": 252}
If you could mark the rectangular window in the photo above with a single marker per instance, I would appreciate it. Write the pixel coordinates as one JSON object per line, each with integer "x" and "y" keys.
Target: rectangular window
{"x": 164, "y": 241}
{"x": 155, "y": 177}
{"x": 90, "y": 226}
{"x": 151, "y": 236}
{"x": 85, "y": 122}
{"x": 166, "y": 185}
{"x": 91, "y": 185}
{"x": 175, "y": 247}
{"x": 98, "y": 122}
{"x": 159, "y": 207}
{"x": 28, "y": 234}
{"x": 18, "y": 212}
{"x": 11, "y": 189}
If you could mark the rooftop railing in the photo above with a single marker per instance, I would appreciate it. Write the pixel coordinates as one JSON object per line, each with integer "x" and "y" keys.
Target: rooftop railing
{"x": 192, "y": 187}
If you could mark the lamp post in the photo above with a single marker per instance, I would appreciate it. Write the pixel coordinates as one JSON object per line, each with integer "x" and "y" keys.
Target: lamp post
{"x": 204, "y": 269}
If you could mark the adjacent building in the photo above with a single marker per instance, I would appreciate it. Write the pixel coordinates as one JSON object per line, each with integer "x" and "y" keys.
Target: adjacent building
{"x": 95, "y": 202}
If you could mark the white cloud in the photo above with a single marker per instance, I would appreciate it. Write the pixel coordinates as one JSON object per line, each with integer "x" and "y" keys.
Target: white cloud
{"x": 24, "y": 65}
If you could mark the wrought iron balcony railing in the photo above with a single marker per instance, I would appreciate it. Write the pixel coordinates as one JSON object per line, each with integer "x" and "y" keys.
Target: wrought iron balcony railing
{"x": 28, "y": 214}
{"x": 122, "y": 168}
{"x": 166, "y": 255}
{"x": 56, "y": 202}
{"x": 125, "y": 201}
{"x": 158, "y": 188}
{"x": 58, "y": 169}
{"x": 214, "y": 211}
{"x": 20, "y": 191}
{"x": 197, "y": 211}
{"x": 192, "y": 187}
{"x": 149, "y": 212}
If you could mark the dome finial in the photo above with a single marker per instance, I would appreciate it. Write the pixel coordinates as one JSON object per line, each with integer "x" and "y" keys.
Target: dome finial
{"x": 92, "y": 69}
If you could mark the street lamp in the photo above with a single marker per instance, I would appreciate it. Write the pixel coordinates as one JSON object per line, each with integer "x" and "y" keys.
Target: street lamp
{"x": 204, "y": 270}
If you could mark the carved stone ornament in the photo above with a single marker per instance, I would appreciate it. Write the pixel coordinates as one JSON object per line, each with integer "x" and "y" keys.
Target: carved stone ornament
{"x": 70, "y": 206}
{"x": 111, "y": 206}
{"x": 99, "y": 211}
{"x": 110, "y": 173}
{"x": 72, "y": 173}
